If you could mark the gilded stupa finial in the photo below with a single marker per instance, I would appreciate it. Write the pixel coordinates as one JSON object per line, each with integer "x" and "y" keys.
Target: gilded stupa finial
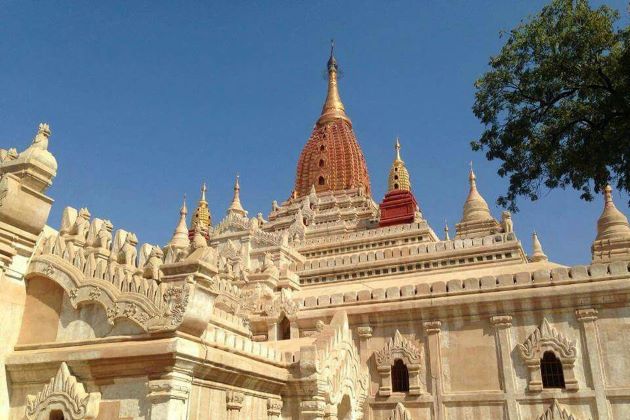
{"x": 201, "y": 217}
{"x": 398, "y": 174}
{"x": 333, "y": 107}
{"x": 331, "y": 60}
{"x": 203, "y": 191}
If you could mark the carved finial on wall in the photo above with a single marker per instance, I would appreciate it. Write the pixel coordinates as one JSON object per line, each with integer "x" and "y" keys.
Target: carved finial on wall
{"x": 400, "y": 412}
{"x": 537, "y": 251}
{"x": 66, "y": 394}
{"x": 556, "y": 412}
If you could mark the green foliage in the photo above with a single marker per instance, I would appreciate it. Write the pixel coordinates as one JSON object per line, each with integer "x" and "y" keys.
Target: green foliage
{"x": 556, "y": 103}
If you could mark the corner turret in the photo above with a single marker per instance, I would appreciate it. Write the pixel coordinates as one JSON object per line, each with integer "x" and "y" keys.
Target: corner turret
{"x": 477, "y": 221}
{"x": 399, "y": 204}
{"x": 236, "y": 207}
{"x": 613, "y": 233}
{"x": 201, "y": 219}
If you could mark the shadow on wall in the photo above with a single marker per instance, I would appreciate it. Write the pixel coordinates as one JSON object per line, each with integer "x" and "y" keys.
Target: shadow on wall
{"x": 49, "y": 316}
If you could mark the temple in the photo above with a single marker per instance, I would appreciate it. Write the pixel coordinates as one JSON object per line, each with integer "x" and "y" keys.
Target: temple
{"x": 335, "y": 305}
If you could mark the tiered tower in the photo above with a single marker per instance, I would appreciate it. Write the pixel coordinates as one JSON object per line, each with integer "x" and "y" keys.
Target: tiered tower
{"x": 399, "y": 205}
{"x": 332, "y": 159}
{"x": 613, "y": 233}
{"x": 201, "y": 218}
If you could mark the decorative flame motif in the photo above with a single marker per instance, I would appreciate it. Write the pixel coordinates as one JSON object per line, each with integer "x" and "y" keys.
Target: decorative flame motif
{"x": 547, "y": 337}
{"x": 398, "y": 347}
{"x": 66, "y": 393}
{"x": 556, "y": 412}
{"x": 400, "y": 413}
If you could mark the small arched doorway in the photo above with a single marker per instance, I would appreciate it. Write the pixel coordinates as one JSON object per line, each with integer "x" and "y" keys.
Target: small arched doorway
{"x": 344, "y": 409}
{"x": 551, "y": 371}
{"x": 400, "y": 377}
{"x": 56, "y": 415}
{"x": 284, "y": 329}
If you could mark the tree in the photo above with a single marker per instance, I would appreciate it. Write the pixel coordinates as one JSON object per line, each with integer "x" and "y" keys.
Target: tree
{"x": 556, "y": 103}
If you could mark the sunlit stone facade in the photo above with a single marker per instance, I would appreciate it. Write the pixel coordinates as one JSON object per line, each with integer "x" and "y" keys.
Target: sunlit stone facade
{"x": 331, "y": 307}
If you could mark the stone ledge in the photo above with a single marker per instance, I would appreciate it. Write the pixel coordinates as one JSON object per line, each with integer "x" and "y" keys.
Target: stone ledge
{"x": 485, "y": 284}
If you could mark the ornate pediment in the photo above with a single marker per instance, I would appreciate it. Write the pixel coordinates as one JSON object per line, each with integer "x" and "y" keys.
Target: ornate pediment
{"x": 400, "y": 413}
{"x": 556, "y": 412}
{"x": 283, "y": 303}
{"x": 261, "y": 238}
{"x": 64, "y": 393}
{"x": 546, "y": 337}
{"x": 232, "y": 223}
{"x": 398, "y": 348}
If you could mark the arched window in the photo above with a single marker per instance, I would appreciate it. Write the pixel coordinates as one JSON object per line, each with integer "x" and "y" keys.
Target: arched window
{"x": 321, "y": 163}
{"x": 284, "y": 329}
{"x": 395, "y": 186}
{"x": 322, "y": 148}
{"x": 56, "y": 415}
{"x": 551, "y": 371}
{"x": 400, "y": 377}
{"x": 321, "y": 180}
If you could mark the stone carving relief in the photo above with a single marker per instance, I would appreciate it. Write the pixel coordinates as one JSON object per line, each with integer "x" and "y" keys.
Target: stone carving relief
{"x": 401, "y": 348}
{"x": 556, "y": 412}
{"x": 255, "y": 298}
{"x": 234, "y": 402}
{"x": 547, "y": 338}
{"x": 114, "y": 279}
{"x": 4, "y": 189}
{"x": 268, "y": 266}
{"x": 128, "y": 252}
{"x": 282, "y": 304}
{"x": 332, "y": 368}
{"x": 66, "y": 394}
{"x": 400, "y": 413}
{"x": 274, "y": 408}
{"x": 81, "y": 225}
{"x": 104, "y": 236}
{"x": 152, "y": 265}
{"x": 507, "y": 225}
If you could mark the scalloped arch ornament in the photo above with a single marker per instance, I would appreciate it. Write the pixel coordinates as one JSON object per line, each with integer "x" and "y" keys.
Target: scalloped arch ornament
{"x": 400, "y": 412}
{"x": 143, "y": 301}
{"x": 543, "y": 339}
{"x": 66, "y": 394}
{"x": 556, "y": 412}
{"x": 398, "y": 347}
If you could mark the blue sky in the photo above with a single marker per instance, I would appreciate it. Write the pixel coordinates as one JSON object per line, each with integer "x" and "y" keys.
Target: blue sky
{"x": 147, "y": 99}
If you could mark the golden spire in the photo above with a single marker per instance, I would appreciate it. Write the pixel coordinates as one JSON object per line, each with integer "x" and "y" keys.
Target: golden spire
{"x": 333, "y": 108}
{"x": 537, "y": 254}
{"x": 398, "y": 174}
{"x": 236, "y": 206}
{"x": 202, "y": 217}
{"x": 612, "y": 222}
{"x": 180, "y": 236}
{"x": 475, "y": 207}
